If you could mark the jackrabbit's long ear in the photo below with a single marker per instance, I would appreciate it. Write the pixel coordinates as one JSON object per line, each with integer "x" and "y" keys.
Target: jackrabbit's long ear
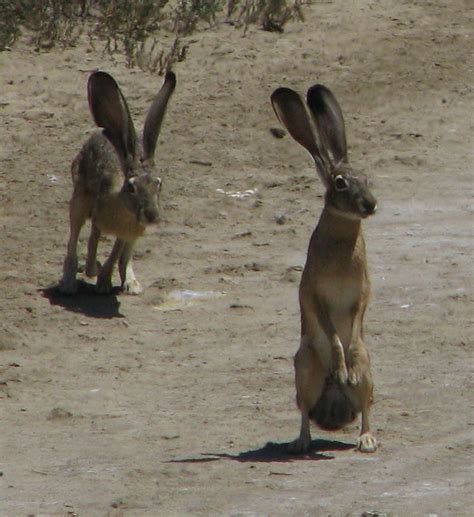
{"x": 329, "y": 121}
{"x": 155, "y": 116}
{"x": 292, "y": 113}
{"x": 110, "y": 111}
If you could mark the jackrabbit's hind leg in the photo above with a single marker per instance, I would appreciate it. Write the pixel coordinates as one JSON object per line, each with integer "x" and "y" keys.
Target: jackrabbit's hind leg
{"x": 92, "y": 265}
{"x": 78, "y": 211}
{"x": 309, "y": 386}
{"x": 366, "y": 441}
{"x": 104, "y": 279}
{"x": 302, "y": 443}
{"x": 130, "y": 284}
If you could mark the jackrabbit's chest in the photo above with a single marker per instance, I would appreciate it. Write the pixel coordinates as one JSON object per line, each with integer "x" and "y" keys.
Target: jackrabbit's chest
{"x": 112, "y": 217}
{"x": 338, "y": 278}
{"x": 340, "y": 296}
{"x": 340, "y": 292}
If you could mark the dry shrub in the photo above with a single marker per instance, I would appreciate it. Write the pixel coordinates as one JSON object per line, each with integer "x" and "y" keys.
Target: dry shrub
{"x": 270, "y": 15}
{"x": 129, "y": 27}
{"x": 48, "y": 22}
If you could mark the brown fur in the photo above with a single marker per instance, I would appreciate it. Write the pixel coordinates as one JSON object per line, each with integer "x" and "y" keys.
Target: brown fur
{"x": 114, "y": 184}
{"x": 332, "y": 367}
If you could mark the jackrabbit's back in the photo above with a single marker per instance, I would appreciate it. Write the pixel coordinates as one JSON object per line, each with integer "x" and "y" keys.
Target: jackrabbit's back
{"x": 96, "y": 168}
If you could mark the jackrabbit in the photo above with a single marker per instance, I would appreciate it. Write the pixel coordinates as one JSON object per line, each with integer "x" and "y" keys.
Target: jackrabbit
{"x": 332, "y": 367}
{"x": 122, "y": 207}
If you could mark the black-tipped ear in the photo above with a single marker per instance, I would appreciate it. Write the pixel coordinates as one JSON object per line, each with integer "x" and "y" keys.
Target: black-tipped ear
{"x": 155, "y": 116}
{"x": 292, "y": 113}
{"x": 329, "y": 121}
{"x": 110, "y": 111}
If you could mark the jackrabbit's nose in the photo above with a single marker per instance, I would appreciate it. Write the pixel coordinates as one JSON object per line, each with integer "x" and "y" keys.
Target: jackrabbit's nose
{"x": 151, "y": 215}
{"x": 369, "y": 206}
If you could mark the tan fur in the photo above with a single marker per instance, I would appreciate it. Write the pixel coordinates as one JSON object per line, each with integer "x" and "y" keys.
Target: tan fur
{"x": 113, "y": 217}
{"x": 334, "y": 293}
{"x": 332, "y": 366}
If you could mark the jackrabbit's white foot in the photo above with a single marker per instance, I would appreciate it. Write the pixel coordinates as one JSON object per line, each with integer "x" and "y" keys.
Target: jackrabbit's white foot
{"x": 132, "y": 287}
{"x": 367, "y": 443}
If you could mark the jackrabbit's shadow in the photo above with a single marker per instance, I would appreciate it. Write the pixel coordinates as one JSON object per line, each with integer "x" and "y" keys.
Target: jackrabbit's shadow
{"x": 274, "y": 453}
{"x": 86, "y": 301}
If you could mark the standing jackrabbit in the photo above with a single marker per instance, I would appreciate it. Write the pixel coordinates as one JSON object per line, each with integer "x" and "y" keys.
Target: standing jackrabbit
{"x": 332, "y": 366}
{"x": 120, "y": 206}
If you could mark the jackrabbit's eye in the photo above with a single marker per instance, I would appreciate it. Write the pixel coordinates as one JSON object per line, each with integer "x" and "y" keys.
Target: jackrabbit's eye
{"x": 130, "y": 187}
{"x": 341, "y": 183}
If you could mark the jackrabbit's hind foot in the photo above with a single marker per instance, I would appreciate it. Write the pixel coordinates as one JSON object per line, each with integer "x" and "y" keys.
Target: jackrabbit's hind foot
{"x": 68, "y": 287}
{"x": 93, "y": 269}
{"x": 367, "y": 443}
{"x": 132, "y": 287}
{"x": 300, "y": 445}
{"x": 103, "y": 285}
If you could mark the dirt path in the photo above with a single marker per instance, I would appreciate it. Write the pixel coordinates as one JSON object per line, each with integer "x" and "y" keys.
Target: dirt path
{"x": 141, "y": 406}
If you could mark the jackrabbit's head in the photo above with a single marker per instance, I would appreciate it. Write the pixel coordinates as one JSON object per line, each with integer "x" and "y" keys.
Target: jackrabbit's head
{"x": 141, "y": 187}
{"x": 318, "y": 125}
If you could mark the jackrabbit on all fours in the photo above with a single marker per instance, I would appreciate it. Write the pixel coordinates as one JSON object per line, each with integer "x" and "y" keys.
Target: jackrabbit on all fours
{"x": 332, "y": 366}
{"x": 115, "y": 184}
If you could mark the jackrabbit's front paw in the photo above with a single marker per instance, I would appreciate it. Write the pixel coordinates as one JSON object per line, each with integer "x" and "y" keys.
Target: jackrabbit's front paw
{"x": 354, "y": 376}
{"x": 132, "y": 287}
{"x": 367, "y": 443}
{"x": 340, "y": 374}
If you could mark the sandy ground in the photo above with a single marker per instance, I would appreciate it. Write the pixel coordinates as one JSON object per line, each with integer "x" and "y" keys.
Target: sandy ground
{"x": 153, "y": 405}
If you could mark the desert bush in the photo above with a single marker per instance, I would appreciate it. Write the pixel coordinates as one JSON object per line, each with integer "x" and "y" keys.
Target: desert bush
{"x": 9, "y": 26}
{"x": 126, "y": 25}
{"x": 130, "y": 27}
{"x": 48, "y": 22}
{"x": 270, "y": 15}
{"x": 188, "y": 14}
{"x": 151, "y": 56}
